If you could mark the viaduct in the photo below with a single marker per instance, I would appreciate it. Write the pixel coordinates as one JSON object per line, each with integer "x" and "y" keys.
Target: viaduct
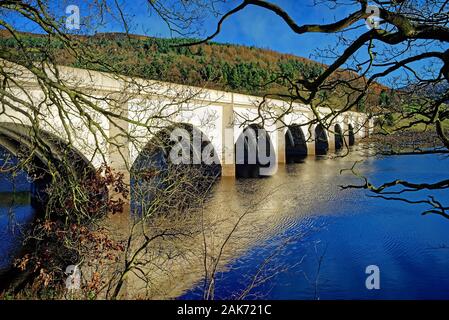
{"x": 144, "y": 106}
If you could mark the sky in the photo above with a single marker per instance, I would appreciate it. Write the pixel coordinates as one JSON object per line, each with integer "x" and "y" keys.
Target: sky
{"x": 255, "y": 26}
{"x": 252, "y": 27}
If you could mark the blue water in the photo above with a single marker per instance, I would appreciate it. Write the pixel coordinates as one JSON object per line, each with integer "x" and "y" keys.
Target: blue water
{"x": 333, "y": 234}
{"x": 332, "y": 242}
{"x": 13, "y": 223}
{"x": 16, "y": 213}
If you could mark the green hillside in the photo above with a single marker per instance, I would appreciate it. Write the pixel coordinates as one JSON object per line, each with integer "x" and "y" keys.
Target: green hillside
{"x": 228, "y": 67}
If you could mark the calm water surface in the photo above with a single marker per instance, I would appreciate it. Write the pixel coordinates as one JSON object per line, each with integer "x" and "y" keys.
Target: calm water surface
{"x": 333, "y": 234}
{"x": 15, "y": 215}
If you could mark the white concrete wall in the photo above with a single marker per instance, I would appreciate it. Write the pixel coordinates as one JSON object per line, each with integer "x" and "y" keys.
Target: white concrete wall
{"x": 151, "y": 104}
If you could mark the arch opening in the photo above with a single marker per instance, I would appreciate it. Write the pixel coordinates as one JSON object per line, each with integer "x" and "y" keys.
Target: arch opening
{"x": 339, "y": 138}
{"x": 173, "y": 168}
{"x": 351, "y": 135}
{"x": 45, "y": 154}
{"x": 321, "y": 141}
{"x": 295, "y": 144}
{"x": 254, "y": 153}
{"x": 29, "y": 161}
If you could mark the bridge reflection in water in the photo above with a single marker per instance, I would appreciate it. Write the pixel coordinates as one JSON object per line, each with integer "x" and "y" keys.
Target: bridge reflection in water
{"x": 302, "y": 204}
{"x": 270, "y": 207}
{"x": 345, "y": 230}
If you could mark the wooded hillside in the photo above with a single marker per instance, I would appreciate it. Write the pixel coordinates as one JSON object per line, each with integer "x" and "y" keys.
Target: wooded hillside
{"x": 227, "y": 67}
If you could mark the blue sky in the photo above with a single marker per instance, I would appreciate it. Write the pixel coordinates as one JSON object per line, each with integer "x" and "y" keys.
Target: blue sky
{"x": 253, "y": 26}
{"x": 257, "y": 27}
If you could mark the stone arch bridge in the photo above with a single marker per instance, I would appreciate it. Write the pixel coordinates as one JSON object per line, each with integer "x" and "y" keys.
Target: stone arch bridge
{"x": 223, "y": 117}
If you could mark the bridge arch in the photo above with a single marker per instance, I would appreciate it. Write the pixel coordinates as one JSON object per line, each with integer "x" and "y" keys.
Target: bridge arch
{"x": 184, "y": 140}
{"x": 254, "y": 152}
{"x": 339, "y": 138}
{"x": 351, "y": 135}
{"x": 321, "y": 140}
{"x": 35, "y": 154}
{"x": 178, "y": 159}
{"x": 295, "y": 144}
{"x": 48, "y": 152}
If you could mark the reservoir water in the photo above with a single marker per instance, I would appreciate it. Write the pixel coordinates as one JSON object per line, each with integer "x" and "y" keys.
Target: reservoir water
{"x": 326, "y": 237}
{"x": 15, "y": 215}
{"x": 319, "y": 238}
